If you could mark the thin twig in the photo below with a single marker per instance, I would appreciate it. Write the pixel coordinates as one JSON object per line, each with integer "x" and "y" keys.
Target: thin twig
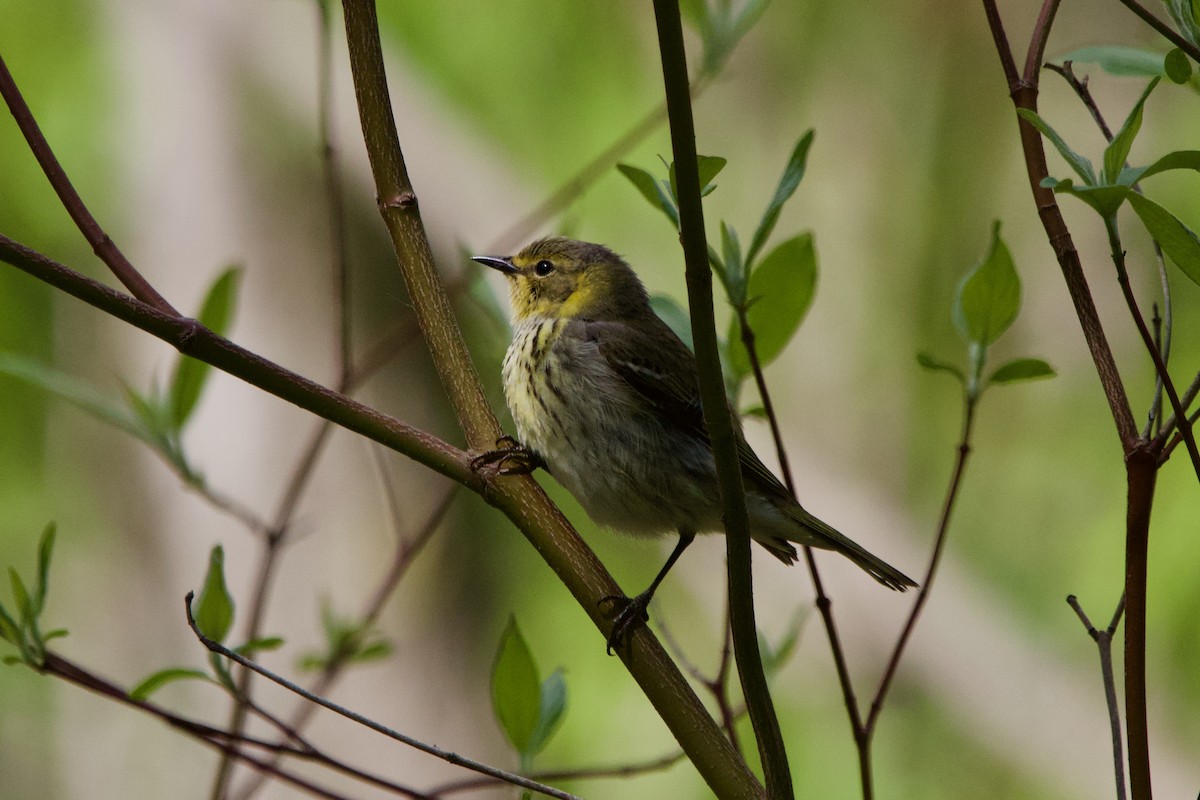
{"x": 445, "y": 755}
{"x": 100, "y": 241}
{"x": 952, "y": 493}
{"x": 579, "y": 774}
{"x": 1156, "y": 344}
{"x": 1103, "y": 640}
{"x": 1163, "y": 29}
{"x": 195, "y": 340}
{"x": 1185, "y": 426}
{"x": 223, "y": 741}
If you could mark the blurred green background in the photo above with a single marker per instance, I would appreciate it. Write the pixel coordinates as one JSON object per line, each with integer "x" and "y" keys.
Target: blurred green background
{"x": 190, "y": 130}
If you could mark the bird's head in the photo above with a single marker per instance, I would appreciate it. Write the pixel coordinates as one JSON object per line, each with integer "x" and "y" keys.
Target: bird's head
{"x": 560, "y": 278}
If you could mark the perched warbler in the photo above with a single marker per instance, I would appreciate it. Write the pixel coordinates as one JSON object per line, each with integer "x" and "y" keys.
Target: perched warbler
{"x": 605, "y": 396}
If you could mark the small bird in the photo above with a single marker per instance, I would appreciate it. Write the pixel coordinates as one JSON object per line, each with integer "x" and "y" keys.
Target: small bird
{"x": 606, "y": 397}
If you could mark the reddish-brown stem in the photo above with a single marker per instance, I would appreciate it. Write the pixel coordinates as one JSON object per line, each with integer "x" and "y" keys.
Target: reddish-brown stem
{"x": 960, "y": 465}
{"x": 1141, "y": 469}
{"x": 100, "y": 241}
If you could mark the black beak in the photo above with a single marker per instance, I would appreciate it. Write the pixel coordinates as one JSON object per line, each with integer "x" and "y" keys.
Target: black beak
{"x": 503, "y": 264}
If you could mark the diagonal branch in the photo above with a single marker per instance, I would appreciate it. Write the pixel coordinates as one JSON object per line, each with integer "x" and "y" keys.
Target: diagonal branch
{"x": 103, "y": 246}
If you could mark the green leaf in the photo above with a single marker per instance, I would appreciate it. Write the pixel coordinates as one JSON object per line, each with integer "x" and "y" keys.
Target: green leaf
{"x": 190, "y": 374}
{"x": 650, "y": 189}
{"x": 1179, "y": 159}
{"x": 373, "y": 651}
{"x": 78, "y": 393}
{"x": 214, "y": 608}
{"x": 553, "y": 703}
{"x": 793, "y": 172}
{"x": 731, "y": 250}
{"x": 779, "y": 295}
{"x": 1119, "y": 60}
{"x": 260, "y": 645}
{"x": 45, "y": 550}
{"x": 1118, "y": 149}
{"x": 516, "y": 689}
{"x": 1022, "y": 369}
{"x": 989, "y": 296}
{"x": 1105, "y": 200}
{"x": 757, "y": 411}
{"x": 933, "y": 364}
{"x": 674, "y": 315}
{"x": 153, "y": 683}
{"x": 775, "y": 657}
{"x": 1082, "y": 166}
{"x": 1186, "y": 14}
{"x": 1177, "y": 66}
{"x": 25, "y": 612}
{"x": 1176, "y": 239}
{"x": 57, "y": 633}
{"x": 708, "y": 166}
{"x": 9, "y": 630}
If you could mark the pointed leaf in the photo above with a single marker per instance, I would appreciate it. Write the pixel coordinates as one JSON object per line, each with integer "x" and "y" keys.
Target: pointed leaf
{"x": 214, "y": 608}
{"x": 550, "y": 711}
{"x": 674, "y": 315}
{"x": 732, "y": 266}
{"x": 774, "y": 657}
{"x": 9, "y": 630}
{"x": 1179, "y": 159}
{"x": 1022, "y": 369}
{"x": 373, "y": 651}
{"x": 1083, "y": 167}
{"x": 259, "y": 645}
{"x": 1119, "y": 60}
{"x": 793, "y": 172}
{"x": 933, "y": 364}
{"x": 516, "y": 689}
{"x": 988, "y": 296}
{"x": 709, "y": 167}
{"x": 190, "y": 374}
{"x": 779, "y": 295}
{"x": 45, "y": 550}
{"x": 1118, "y": 149}
{"x": 1176, "y": 239}
{"x": 78, "y": 393}
{"x": 153, "y": 683}
{"x": 25, "y": 612}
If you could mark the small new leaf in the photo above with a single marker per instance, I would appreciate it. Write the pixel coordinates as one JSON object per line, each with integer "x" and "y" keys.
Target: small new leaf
{"x": 1177, "y": 66}
{"x": 779, "y": 295}
{"x": 1119, "y": 60}
{"x": 674, "y": 315}
{"x": 1082, "y": 166}
{"x": 550, "y": 711}
{"x": 1118, "y": 149}
{"x": 793, "y": 172}
{"x": 989, "y": 296}
{"x": 45, "y": 551}
{"x": 216, "y": 312}
{"x": 214, "y": 608}
{"x": 936, "y": 365}
{"x": 516, "y": 688}
{"x": 650, "y": 189}
{"x": 1022, "y": 369}
{"x": 1176, "y": 239}
{"x": 153, "y": 683}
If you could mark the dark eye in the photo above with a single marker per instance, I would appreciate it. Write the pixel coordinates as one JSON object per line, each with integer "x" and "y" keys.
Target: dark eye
{"x": 543, "y": 268}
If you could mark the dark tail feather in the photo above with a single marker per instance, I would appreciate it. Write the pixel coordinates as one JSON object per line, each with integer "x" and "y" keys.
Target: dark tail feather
{"x": 821, "y": 535}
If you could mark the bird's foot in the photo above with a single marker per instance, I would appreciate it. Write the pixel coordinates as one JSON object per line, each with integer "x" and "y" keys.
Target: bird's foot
{"x": 628, "y": 614}
{"x": 510, "y": 458}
